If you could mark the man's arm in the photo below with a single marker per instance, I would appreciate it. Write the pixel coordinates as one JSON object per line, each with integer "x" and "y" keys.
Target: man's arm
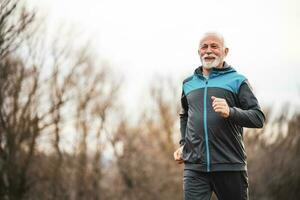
{"x": 183, "y": 118}
{"x": 249, "y": 114}
{"x": 183, "y": 123}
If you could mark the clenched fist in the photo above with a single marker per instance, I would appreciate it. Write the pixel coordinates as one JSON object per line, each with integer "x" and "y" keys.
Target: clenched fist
{"x": 220, "y": 106}
{"x": 178, "y": 155}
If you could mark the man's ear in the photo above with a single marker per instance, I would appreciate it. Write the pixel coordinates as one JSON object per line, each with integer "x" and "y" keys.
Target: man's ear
{"x": 226, "y": 51}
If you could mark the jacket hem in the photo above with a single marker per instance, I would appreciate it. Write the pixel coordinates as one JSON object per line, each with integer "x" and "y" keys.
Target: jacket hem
{"x": 216, "y": 167}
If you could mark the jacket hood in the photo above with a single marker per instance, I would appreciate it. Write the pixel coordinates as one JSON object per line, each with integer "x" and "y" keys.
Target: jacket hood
{"x": 216, "y": 71}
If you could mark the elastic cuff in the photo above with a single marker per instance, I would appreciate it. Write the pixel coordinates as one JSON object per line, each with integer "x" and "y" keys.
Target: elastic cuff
{"x": 231, "y": 112}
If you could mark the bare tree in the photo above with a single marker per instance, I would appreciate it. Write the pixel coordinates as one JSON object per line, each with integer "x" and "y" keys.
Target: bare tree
{"x": 274, "y": 165}
{"x": 37, "y": 105}
{"x": 14, "y": 20}
{"x": 143, "y": 152}
{"x": 17, "y": 102}
{"x": 163, "y": 122}
{"x": 19, "y": 126}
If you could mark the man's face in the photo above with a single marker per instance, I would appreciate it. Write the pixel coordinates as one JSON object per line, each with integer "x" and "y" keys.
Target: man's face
{"x": 212, "y": 52}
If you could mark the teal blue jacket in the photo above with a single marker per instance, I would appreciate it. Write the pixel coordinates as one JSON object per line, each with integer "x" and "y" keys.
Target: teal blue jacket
{"x": 211, "y": 142}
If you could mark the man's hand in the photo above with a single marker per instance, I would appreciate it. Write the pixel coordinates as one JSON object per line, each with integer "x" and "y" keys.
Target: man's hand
{"x": 220, "y": 106}
{"x": 178, "y": 155}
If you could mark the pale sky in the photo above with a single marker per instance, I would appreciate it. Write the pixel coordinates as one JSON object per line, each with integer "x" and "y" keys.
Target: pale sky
{"x": 142, "y": 39}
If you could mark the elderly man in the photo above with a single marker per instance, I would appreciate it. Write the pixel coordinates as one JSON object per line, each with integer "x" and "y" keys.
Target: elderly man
{"x": 217, "y": 102}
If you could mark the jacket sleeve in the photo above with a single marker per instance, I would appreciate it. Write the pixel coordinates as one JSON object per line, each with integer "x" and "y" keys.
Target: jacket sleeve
{"x": 183, "y": 118}
{"x": 249, "y": 114}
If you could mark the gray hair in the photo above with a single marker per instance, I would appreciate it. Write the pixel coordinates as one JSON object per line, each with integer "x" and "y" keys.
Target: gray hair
{"x": 216, "y": 34}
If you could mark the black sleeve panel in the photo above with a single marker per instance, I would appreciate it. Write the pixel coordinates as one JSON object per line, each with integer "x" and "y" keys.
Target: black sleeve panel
{"x": 183, "y": 118}
{"x": 249, "y": 114}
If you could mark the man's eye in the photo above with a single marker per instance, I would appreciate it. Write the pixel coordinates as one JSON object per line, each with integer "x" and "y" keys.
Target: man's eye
{"x": 214, "y": 46}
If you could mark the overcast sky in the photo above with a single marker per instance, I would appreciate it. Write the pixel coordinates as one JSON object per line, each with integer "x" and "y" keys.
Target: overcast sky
{"x": 142, "y": 39}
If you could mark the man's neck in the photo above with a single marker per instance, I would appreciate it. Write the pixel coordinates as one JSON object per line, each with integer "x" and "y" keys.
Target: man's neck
{"x": 206, "y": 71}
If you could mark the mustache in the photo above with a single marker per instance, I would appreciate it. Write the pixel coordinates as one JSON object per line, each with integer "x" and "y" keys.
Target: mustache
{"x": 209, "y": 56}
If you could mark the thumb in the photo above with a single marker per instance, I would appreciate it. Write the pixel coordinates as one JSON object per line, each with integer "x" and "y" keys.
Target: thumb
{"x": 213, "y": 98}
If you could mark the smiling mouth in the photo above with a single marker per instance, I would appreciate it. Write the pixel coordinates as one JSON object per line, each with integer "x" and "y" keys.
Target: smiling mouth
{"x": 209, "y": 58}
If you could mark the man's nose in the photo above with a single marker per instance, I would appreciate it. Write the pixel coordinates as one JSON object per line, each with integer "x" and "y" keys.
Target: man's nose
{"x": 208, "y": 50}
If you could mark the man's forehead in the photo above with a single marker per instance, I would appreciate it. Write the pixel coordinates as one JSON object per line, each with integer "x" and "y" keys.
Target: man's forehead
{"x": 211, "y": 39}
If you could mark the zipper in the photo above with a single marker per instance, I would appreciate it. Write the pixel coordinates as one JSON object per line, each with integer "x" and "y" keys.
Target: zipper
{"x": 205, "y": 127}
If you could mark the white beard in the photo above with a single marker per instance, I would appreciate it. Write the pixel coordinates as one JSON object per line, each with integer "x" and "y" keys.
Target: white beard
{"x": 209, "y": 65}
